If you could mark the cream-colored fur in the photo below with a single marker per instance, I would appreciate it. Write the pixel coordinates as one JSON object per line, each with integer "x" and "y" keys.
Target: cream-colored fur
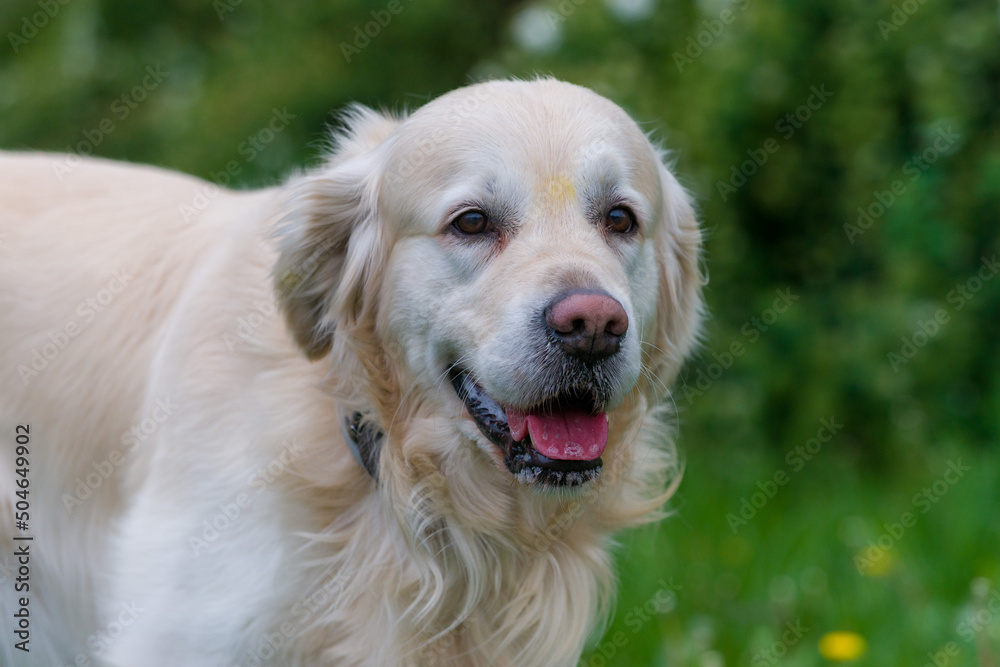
{"x": 184, "y": 358}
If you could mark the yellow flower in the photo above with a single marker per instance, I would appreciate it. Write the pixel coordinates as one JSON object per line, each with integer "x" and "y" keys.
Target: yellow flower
{"x": 842, "y": 646}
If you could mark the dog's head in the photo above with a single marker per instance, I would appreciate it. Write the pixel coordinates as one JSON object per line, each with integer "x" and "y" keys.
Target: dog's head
{"x": 513, "y": 259}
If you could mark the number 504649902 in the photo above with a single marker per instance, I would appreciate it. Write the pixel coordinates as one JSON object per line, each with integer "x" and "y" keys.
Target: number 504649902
{"x": 22, "y": 436}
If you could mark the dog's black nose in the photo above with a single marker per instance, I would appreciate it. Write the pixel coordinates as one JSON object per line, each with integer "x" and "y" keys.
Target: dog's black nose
{"x": 588, "y": 324}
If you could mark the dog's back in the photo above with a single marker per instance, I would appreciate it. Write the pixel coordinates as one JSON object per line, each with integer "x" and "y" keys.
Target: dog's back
{"x": 94, "y": 256}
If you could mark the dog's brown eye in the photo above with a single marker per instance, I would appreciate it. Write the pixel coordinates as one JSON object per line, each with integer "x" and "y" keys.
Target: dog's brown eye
{"x": 620, "y": 220}
{"x": 472, "y": 222}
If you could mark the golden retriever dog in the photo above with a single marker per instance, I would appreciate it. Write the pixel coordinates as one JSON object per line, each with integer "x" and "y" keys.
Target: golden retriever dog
{"x": 391, "y": 412}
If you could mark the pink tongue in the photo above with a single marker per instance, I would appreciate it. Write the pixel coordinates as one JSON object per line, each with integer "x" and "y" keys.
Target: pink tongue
{"x": 573, "y": 435}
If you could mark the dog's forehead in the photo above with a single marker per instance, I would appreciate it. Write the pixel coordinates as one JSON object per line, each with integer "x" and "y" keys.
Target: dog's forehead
{"x": 541, "y": 143}
{"x": 550, "y": 129}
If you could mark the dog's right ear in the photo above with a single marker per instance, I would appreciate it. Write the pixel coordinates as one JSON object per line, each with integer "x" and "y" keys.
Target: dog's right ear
{"x": 328, "y": 236}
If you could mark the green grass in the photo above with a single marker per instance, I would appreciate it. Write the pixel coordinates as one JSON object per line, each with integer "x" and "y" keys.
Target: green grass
{"x": 794, "y": 561}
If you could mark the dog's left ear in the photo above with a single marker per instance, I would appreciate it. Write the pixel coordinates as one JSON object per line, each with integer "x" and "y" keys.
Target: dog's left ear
{"x": 680, "y": 306}
{"x": 329, "y": 239}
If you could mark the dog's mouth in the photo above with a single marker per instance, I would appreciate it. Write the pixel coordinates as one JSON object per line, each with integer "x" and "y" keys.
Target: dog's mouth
{"x": 557, "y": 443}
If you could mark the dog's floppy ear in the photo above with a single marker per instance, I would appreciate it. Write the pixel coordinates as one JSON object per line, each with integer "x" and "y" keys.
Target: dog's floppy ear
{"x": 679, "y": 308}
{"x": 329, "y": 238}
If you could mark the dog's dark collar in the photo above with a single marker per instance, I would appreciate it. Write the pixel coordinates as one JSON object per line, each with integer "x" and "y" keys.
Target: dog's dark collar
{"x": 364, "y": 439}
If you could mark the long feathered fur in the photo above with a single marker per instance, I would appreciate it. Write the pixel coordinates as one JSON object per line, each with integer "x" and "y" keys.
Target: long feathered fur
{"x": 239, "y": 525}
{"x": 489, "y": 577}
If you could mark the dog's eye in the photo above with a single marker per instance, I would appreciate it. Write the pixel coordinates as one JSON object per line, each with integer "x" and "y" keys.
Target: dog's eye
{"x": 620, "y": 220}
{"x": 472, "y": 222}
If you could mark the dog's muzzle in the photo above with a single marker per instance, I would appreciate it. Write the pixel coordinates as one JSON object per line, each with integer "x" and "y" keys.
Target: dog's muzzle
{"x": 557, "y": 443}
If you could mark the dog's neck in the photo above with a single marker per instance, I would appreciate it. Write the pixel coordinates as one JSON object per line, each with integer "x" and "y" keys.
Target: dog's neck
{"x": 468, "y": 554}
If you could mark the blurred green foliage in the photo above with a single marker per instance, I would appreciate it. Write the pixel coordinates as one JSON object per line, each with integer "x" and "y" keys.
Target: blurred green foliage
{"x": 785, "y": 119}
